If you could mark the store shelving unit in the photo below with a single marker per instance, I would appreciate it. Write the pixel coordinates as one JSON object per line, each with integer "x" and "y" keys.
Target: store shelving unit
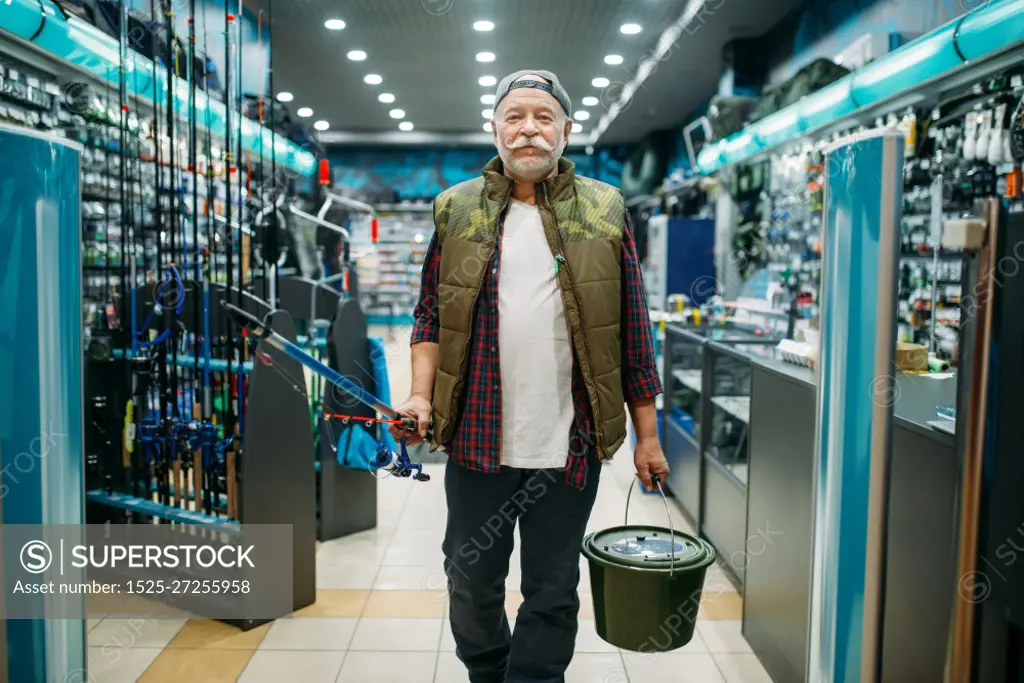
{"x": 389, "y": 270}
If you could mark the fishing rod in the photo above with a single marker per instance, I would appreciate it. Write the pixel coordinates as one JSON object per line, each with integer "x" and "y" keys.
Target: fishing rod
{"x": 270, "y": 234}
{"x": 397, "y": 463}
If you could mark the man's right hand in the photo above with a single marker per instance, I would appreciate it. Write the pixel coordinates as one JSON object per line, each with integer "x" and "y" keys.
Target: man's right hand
{"x": 419, "y": 408}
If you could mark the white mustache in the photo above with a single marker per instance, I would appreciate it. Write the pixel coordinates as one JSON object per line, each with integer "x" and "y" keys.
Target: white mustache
{"x": 536, "y": 141}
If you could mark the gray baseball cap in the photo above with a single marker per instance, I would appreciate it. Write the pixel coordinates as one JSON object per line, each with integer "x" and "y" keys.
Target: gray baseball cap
{"x": 512, "y": 81}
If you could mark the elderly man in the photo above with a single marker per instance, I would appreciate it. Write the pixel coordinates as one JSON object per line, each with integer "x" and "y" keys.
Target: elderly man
{"x": 531, "y": 335}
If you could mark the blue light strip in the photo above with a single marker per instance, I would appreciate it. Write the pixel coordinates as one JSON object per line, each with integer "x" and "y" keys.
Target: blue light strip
{"x": 859, "y": 281}
{"x": 997, "y": 25}
{"x": 85, "y": 46}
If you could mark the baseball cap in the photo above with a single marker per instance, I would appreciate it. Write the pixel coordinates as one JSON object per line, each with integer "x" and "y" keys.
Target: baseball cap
{"x": 512, "y": 81}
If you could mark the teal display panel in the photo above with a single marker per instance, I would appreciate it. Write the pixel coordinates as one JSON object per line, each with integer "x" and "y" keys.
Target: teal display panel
{"x": 41, "y": 413}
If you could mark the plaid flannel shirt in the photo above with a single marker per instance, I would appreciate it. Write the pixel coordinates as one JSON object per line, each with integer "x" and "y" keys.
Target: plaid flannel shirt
{"x": 476, "y": 443}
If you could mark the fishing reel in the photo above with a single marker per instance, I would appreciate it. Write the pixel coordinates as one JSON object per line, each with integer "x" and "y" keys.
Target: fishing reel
{"x": 398, "y": 463}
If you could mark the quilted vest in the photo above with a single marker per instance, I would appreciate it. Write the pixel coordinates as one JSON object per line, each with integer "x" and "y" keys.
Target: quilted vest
{"x": 583, "y": 221}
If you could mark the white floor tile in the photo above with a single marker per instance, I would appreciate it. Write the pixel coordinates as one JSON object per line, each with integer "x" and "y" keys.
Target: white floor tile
{"x": 596, "y": 668}
{"x": 388, "y": 667}
{"x": 413, "y": 556}
{"x": 107, "y": 665}
{"x": 404, "y": 635}
{"x": 274, "y": 666}
{"x": 742, "y": 669}
{"x": 364, "y": 552}
{"x": 123, "y": 634}
{"x": 450, "y": 669}
{"x": 411, "y": 578}
{"x": 310, "y": 634}
{"x": 671, "y": 668}
{"x": 93, "y": 623}
{"x": 447, "y": 639}
{"x": 723, "y": 637}
{"x": 346, "y": 576}
{"x": 587, "y": 640}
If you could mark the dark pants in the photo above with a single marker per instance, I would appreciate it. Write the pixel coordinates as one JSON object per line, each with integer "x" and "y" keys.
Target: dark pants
{"x": 483, "y": 510}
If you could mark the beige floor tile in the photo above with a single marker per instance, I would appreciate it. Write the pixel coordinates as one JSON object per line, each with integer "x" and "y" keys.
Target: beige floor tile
{"x": 596, "y": 668}
{"x": 117, "y": 666}
{"x": 208, "y": 666}
{"x": 723, "y": 637}
{"x": 587, "y": 640}
{"x": 721, "y": 606}
{"x": 400, "y": 604}
{"x": 742, "y": 669}
{"x": 336, "y": 603}
{"x": 346, "y": 576}
{"x": 405, "y": 635}
{"x": 450, "y": 669}
{"x": 276, "y": 666}
{"x": 325, "y": 633}
{"x": 92, "y": 623}
{"x": 123, "y": 634}
{"x": 672, "y": 668}
{"x": 388, "y": 667}
{"x": 200, "y": 634}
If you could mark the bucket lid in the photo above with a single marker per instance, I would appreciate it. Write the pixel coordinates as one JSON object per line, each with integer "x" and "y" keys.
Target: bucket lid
{"x": 649, "y": 547}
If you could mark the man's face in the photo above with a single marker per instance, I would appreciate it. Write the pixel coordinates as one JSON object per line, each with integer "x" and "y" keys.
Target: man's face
{"x": 530, "y": 131}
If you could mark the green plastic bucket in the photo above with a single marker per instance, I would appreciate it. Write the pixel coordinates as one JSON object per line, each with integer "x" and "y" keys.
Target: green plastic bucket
{"x": 646, "y": 583}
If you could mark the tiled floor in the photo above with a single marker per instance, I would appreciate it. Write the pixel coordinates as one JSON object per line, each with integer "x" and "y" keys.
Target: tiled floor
{"x": 381, "y": 605}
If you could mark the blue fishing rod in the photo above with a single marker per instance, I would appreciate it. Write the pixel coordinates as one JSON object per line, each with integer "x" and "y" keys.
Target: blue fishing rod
{"x": 399, "y": 463}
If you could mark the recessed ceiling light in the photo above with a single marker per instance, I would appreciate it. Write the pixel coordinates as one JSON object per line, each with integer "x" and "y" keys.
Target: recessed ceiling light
{"x": 304, "y": 112}
{"x": 334, "y": 24}
{"x": 485, "y": 56}
{"x": 577, "y": 128}
{"x": 373, "y": 79}
{"x": 590, "y": 102}
{"x": 488, "y": 114}
{"x": 487, "y": 99}
{"x": 285, "y": 97}
{"x": 483, "y": 25}
{"x": 487, "y": 127}
{"x": 386, "y": 98}
{"x": 357, "y": 55}
{"x": 581, "y": 115}
{"x": 321, "y": 125}
{"x": 613, "y": 60}
{"x": 488, "y": 81}
{"x": 397, "y": 114}
{"x": 630, "y": 29}
{"x": 405, "y": 125}
{"x": 600, "y": 82}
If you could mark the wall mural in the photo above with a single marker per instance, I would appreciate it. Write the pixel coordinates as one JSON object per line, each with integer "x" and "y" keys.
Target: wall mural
{"x": 385, "y": 175}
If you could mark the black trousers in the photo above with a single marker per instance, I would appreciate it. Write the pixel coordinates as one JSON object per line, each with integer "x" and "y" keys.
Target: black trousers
{"x": 483, "y": 510}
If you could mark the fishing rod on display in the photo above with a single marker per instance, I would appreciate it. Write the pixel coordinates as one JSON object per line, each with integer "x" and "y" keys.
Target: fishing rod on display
{"x": 397, "y": 463}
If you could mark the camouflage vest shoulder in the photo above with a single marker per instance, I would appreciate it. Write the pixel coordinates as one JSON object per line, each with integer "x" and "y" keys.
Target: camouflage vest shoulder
{"x": 598, "y": 210}
{"x": 457, "y": 200}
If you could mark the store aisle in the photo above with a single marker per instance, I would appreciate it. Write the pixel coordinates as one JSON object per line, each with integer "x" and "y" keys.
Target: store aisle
{"x": 381, "y": 607}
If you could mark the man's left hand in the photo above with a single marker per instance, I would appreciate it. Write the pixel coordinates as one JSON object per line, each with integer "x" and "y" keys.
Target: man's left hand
{"x": 649, "y": 460}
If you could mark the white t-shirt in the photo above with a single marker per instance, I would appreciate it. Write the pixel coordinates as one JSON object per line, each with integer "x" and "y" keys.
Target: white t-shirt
{"x": 534, "y": 347}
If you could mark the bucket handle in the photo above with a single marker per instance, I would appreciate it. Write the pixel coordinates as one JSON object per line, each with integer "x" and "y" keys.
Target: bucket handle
{"x": 668, "y": 513}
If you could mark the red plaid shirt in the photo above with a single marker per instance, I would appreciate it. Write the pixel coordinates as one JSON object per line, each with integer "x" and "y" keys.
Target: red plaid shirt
{"x": 476, "y": 443}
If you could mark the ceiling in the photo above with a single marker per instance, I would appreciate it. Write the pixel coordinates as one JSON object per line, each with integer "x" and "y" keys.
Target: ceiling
{"x": 424, "y": 50}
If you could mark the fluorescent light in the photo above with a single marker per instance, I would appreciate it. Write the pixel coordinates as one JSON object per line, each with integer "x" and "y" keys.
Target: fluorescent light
{"x": 581, "y": 116}
{"x": 485, "y": 56}
{"x": 487, "y": 99}
{"x": 483, "y": 25}
{"x": 630, "y": 29}
{"x": 488, "y": 81}
{"x": 488, "y": 114}
{"x": 304, "y": 112}
{"x": 405, "y": 125}
{"x": 487, "y": 127}
{"x": 321, "y": 125}
{"x": 285, "y": 97}
{"x": 613, "y": 60}
{"x": 373, "y": 79}
{"x": 600, "y": 82}
{"x": 357, "y": 55}
{"x": 577, "y": 128}
{"x": 334, "y": 24}
{"x": 397, "y": 114}
{"x": 591, "y": 102}
{"x": 386, "y": 98}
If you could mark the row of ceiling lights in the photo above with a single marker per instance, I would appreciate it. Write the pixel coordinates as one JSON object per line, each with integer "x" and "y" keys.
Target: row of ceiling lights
{"x": 485, "y": 81}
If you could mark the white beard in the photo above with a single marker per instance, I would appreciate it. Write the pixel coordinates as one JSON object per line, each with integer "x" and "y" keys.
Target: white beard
{"x": 531, "y": 168}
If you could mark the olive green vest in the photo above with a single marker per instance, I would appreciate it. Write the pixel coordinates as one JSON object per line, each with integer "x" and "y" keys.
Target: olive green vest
{"x": 583, "y": 221}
